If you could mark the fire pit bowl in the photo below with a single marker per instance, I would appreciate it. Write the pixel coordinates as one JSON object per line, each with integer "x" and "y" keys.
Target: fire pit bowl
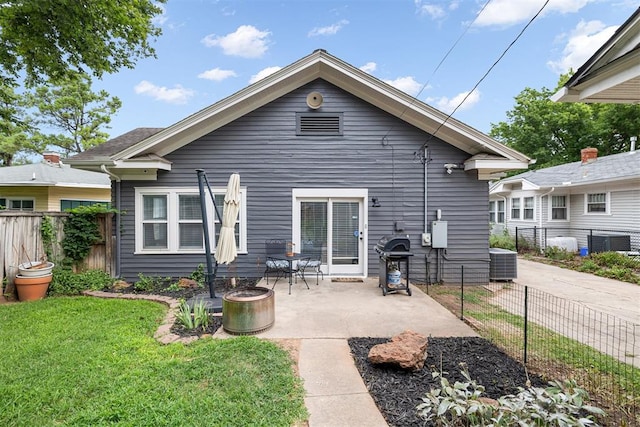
{"x": 35, "y": 268}
{"x": 248, "y": 311}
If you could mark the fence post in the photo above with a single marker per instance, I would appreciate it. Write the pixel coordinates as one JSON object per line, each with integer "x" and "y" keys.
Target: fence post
{"x": 462, "y": 292}
{"x": 535, "y": 236}
{"x": 545, "y": 239}
{"x": 526, "y": 321}
{"x": 517, "y": 240}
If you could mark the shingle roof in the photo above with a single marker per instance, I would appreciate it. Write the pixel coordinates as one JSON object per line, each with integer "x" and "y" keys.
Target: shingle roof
{"x": 49, "y": 174}
{"x": 606, "y": 168}
{"x": 116, "y": 144}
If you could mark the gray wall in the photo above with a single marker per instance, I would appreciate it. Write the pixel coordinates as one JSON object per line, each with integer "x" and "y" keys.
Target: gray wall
{"x": 263, "y": 147}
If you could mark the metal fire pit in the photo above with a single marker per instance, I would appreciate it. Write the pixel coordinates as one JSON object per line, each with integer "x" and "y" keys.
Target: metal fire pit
{"x": 248, "y": 311}
{"x": 393, "y": 250}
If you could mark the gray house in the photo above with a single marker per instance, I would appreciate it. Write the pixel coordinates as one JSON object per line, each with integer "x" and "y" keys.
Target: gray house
{"x": 329, "y": 156}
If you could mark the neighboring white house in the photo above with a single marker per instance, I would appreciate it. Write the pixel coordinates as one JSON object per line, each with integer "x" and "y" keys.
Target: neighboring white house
{"x": 597, "y": 195}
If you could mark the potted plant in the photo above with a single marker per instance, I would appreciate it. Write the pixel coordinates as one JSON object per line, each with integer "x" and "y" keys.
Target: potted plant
{"x": 33, "y": 280}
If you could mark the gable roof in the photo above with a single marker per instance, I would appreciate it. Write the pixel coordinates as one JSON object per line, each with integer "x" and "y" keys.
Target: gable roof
{"x": 134, "y": 148}
{"x": 612, "y": 74}
{"x": 52, "y": 175}
{"x": 606, "y": 169}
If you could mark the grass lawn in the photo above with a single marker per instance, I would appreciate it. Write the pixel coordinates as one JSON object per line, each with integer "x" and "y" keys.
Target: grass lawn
{"x": 89, "y": 361}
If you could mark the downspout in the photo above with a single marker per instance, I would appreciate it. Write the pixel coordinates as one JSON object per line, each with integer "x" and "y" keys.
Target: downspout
{"x": 426, "y": 221}
{"x": 540, "y": 219}
{"x": 116, "y": 178}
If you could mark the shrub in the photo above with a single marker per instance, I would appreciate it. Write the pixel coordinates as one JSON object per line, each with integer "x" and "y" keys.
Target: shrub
{"x": 558, "y": 254}
{"x": 66, "y": 282}
{"x": 588, "y": 266}
{"x": 560, "y": 404}
{"x": 504, "y": 241}
{"x": 150, "y": 283}
{"x": 611, "y": 259}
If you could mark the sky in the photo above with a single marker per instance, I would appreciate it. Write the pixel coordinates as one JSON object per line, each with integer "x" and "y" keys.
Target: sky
{"x": 438, "y": 51}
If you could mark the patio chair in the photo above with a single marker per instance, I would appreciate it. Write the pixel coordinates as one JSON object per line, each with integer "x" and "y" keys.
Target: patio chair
{"x": 275, "y": 267}
{"x": 313, "y": 262}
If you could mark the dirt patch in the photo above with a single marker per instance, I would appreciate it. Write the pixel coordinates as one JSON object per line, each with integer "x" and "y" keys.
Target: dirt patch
{"x": 397, "y": 393}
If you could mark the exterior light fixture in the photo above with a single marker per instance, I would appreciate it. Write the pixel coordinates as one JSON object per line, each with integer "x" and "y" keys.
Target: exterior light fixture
{"x": 375, "y": 203}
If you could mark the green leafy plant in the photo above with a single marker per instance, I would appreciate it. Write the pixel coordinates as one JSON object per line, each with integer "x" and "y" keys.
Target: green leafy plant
{"x": 48, "y": 235}
{"x": 557, "y": 253}
{"x": 66, "y": 282}
{"x": 193, "y": 319}
{"x": 81, "y": 231}
{"x": 503, "y": 241}
{"x": 198, "y": 275}
{"x": 462, "y": 404}
{"x": 149, "y": 283}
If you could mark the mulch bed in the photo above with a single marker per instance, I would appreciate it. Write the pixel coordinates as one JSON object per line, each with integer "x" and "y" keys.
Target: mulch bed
{"x": 397, "y": 392}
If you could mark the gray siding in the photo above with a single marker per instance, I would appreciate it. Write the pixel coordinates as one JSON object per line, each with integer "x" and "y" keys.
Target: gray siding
{"x": 263, "y": 147}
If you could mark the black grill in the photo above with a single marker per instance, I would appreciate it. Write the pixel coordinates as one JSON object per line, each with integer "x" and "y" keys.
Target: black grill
{"x": 394, "y": 251}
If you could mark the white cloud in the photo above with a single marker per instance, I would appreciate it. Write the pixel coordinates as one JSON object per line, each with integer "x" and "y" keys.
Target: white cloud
{"x": 176, "y": 95}
{"x": 447, "y": 105}
{"x": 369, "y": 67}
{"x": 217, "y": 75}
{"x": 246, "y": 42}
{"x": 263, "y": 73}
{"x": 329, "y": 30}
{"x": 432, "y": 10}
{"x": 510, "y": 12}
{"x": 162, "y": 18}
{"x": 583, "y": 41}
{"x": 406, "y": 84}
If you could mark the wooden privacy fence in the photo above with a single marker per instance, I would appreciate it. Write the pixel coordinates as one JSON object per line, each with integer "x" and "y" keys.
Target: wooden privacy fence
{"x": 20, "y": 242}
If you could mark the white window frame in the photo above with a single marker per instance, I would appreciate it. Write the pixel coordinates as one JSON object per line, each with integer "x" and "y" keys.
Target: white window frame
{"x": 173, "y": 221}
{"x": 607, "y": 202}
{"x": 21, "y": 199}
{"x": 494, "y": 209}
{"x": 519, "y": 217}
{"x": 523, "y": 203}
{"x": 566, "y": 208}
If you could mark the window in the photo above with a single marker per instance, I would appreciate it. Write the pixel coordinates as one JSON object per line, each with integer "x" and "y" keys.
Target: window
{"x": 597, "y": 203}
{"x": 70, "y": 204}
{"x": 496, "y": 212}
{"x": 515, "y": 208}
{"x": 528, "y": 208}
{"x": 17, "y": 204}
{"x": 169, "y": 220}
{"x": 559, "y": 208}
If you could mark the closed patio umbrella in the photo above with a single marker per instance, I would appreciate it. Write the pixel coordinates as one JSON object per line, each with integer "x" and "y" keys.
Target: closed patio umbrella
{"x": 226, "y": 250}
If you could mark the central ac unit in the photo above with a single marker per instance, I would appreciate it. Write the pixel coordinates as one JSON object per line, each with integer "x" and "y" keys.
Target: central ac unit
{"x": 503, "y": 264}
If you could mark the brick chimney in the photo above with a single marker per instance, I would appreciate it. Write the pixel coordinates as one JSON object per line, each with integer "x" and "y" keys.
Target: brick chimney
{"x": 53, "y": 158}
{"x": 589, "y": 155}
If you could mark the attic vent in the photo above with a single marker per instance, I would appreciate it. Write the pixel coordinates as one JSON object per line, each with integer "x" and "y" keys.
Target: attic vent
{"x": 319, "y": 124}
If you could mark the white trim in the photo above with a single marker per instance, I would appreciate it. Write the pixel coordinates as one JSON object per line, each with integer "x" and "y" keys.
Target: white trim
{"x": 333, "y": 194}
{"x": 22, "y": 199}
{"x": 607, "y": 203}
{"x": 172, "y": 221}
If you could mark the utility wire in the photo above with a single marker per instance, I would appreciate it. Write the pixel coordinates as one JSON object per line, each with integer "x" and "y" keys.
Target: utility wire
{"x": 489, "y": 70}
{"x": 424, "y": 86}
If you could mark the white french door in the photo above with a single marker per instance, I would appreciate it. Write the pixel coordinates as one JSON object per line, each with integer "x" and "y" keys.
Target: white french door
{"x": 330, "y": 224}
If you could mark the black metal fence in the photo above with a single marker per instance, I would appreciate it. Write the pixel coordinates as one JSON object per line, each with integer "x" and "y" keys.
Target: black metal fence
{"x": 554, "y": 337}
{"x": 586, "y": 240}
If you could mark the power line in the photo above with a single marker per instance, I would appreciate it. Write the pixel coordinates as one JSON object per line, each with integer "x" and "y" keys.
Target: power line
{"x": 489, "y": 70}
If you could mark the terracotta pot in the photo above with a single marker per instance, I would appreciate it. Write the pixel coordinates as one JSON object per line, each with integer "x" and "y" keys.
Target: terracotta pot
{"x": 32, "y": 288}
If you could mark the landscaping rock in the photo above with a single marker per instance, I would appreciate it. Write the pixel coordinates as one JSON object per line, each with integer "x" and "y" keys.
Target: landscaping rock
{"x": 120, "y": 285}
{"x": 185, "y": 283}
{"x": 407, "y": 350}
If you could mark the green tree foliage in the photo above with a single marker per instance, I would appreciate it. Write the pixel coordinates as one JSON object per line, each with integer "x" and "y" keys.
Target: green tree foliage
{"x": 14, "y": 126}
{"x": 554, "y": 132}
{"x": 69, "y": 105}
{"x": 46, "y": 38}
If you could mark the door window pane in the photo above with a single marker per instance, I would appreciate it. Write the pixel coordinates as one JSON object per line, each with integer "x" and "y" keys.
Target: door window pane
{"x": 346, "y": 220}
{"x": 313, "y": 229}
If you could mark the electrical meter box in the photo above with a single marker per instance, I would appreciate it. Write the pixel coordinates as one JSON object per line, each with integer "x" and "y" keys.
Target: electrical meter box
{"x": 439, "y": 234}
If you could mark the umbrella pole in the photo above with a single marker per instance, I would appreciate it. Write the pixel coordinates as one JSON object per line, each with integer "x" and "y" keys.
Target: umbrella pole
{"x": 211, "y": 270}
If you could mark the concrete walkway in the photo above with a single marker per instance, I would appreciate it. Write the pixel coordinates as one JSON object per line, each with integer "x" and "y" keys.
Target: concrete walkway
{"x": 324, "y": 316}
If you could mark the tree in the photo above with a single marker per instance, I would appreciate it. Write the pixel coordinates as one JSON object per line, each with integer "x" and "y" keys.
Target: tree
{"x": 554, "y": 133}
{"x": 14, "y": 125}
{"x": 68, "y": 104}
{"x": 46, "y": 38}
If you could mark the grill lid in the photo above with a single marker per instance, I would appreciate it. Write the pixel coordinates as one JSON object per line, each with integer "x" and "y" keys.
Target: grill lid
{"x": 394, "y": 243}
